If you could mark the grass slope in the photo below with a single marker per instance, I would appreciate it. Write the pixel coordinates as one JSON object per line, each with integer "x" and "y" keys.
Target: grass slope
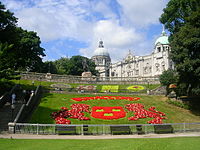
{"x": 186, "y": 143}
{"x": 52, "y": 102}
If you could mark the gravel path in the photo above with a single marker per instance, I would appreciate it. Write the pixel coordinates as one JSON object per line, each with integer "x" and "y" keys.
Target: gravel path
{"x": 29, "y": 136}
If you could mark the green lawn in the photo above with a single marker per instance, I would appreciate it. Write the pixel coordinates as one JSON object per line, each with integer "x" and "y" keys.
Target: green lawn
{"x": 52, "y": 102}
{"x": 186, "y": 143}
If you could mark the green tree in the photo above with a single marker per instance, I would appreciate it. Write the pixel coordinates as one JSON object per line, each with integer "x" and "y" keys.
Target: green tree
{"x": 27, "y": 50}
{"x": 25, "y": 53}
{"x": 76, "y": 65}
{"x": 48, "y": 67}
{"x": 62, "y": 65}
{"x": 7, "y": 24}
{"x": 168, "y": 77}
{"x": 182, "y": 19}
{"x": 4, "y": 72}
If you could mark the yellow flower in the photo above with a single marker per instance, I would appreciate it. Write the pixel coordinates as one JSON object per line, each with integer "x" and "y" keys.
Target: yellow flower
{"x": 135, "y": 88}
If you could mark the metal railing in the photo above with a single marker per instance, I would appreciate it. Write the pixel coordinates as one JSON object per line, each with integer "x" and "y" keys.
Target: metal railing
{"x": 28, "y": 108}
{"x": 51, "y": 129}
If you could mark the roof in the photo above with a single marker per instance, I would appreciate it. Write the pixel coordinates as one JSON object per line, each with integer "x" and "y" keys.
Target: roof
{"x": 163, "y": 39}
{"x": 101, "y": 51}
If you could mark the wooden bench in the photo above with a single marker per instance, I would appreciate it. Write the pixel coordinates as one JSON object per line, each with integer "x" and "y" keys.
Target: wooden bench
{"x": 66, "y": 130}
{"x": 120, "y": 130}
{"x": 163, "y": 129}
{"x": 139, "y": 129}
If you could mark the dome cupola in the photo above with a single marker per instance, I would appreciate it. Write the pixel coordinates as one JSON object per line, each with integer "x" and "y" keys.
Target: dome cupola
{"x": 101, "y": 51}
{"x": 163, "y": 39}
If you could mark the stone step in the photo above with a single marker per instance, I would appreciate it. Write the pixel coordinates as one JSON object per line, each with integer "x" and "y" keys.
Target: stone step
{"x": 6, "y": 114}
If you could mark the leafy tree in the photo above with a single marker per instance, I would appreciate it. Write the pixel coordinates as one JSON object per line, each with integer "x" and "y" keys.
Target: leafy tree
{"x": 76, "y": 65}
{"x": 4, "y": 72}
{"x": 62, "y": 65}
{"x": 27, "y": 50}
{"x": 7, "y": 24}
{"x": 168, "y": 77}
{"x": 182, "y": 19}
{"x": 48, "y": 67}
{"x": 20, "y": 49}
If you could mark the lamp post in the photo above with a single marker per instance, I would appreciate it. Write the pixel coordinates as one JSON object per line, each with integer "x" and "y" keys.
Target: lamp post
{"x": 40, "y": 79}
{"x": 13, "y": 105}
{"x": 24, "y": 96}
{"x": 148, "y": 90}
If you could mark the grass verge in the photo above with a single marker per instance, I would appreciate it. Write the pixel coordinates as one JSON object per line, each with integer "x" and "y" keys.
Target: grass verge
{"x": 183, "y": 143}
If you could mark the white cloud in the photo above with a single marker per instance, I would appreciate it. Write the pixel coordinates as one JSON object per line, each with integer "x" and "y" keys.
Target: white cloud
{"x": 115, "y": 35}
{"x": 117, "y": 39}
{"x": 89, "y": 21}
{"x": 102, "y": 8}
{"x": 14, "y": 5}
{"x": 53, "y": 20}
{"x": 143, "y": 12}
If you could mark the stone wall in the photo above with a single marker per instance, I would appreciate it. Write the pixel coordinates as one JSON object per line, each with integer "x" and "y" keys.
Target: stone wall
{"x": 87, "y": 80}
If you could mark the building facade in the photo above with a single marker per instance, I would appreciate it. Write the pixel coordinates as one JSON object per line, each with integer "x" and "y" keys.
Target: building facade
{"x": 102, "y": 60}
{"x": 135, "y": 66}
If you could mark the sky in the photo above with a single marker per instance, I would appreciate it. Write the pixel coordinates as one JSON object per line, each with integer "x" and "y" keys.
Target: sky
{"x": 75, "y": 27}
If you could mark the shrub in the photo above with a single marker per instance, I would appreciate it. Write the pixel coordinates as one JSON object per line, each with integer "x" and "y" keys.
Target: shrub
{"x": 179, "y": 103}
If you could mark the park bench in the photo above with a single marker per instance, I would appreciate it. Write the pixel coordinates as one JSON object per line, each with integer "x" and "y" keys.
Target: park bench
{"x": 161, "y": 129}
{"x": 120, "y": 130}
{"x": 66, "y": 130}
{"x": 139, "y": 129}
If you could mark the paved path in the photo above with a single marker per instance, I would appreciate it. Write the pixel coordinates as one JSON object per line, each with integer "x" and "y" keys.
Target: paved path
{"x": 29, "y": 136}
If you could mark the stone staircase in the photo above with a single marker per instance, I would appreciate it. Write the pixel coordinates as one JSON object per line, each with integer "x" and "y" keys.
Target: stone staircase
{"x": 6, "y": 114}
{"x": 159, "y": 91}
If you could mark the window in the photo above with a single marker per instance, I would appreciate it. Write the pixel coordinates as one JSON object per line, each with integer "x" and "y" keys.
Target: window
{"x": 159, "y": 49}
{"x": 113, "y": 74}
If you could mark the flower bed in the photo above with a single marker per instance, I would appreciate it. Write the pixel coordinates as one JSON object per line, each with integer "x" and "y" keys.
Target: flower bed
{"x": 140, "y": 113}
{"x": 59, "y": 85}
{"x": 106, "y": 98}
{"x": 135, "y": 88}
{"x": 76, "y": 113}
{"x": 107, "y": 113}
{"x": 109, "y": 88}
{"x": 89, "y": 88}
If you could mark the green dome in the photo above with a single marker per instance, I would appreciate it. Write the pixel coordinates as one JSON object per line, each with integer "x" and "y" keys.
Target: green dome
{"x": 163, "y": 39}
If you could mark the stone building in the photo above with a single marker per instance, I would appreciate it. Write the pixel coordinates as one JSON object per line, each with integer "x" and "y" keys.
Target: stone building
{"x": 135, "y": 66}
{"x": 102, "y": 60}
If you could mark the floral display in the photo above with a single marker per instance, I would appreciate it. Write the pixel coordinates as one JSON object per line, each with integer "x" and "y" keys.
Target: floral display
{"x": 60, "y": 85}
{"x": 108, "y": 113}
{"x": 76, "y": 112}
{"x": 109, "y": 88}
{"x": 106, "y": 98}
{"x": 90, "y": 88}
{"x": 135, "y": 88}
{"x": 140, "y": 112}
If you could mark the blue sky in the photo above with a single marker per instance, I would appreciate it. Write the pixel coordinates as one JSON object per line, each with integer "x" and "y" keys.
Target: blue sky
{"x": 74, "y": 27}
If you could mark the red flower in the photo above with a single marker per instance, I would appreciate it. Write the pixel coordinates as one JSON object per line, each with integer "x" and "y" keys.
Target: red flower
{"x": 106, "y": 98}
